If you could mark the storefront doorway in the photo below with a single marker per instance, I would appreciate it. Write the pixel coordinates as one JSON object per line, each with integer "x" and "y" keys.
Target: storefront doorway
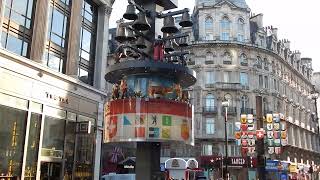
{"x": 50, "y": 170}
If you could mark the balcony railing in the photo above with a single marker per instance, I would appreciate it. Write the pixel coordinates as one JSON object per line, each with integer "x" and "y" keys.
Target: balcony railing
{"x": 210, "y": 109}
{"x": 247, "y": 111}
{"x": 231, "y": 110}
{"x": 228, "y": 86}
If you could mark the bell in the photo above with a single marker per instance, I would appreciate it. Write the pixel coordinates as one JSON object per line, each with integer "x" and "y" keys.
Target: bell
{"x": 185, "y": 20}
{"x": 141, "y": 24}
{"x": 182, "y": 42}
{"x": 168, "y": 25}
{"x": 130, "y": 35}
{"x": 130, "y": 14}
{"x": 168, "y": 46}
{"x": 140, "y": 43}
{"x": 120, "y": 34}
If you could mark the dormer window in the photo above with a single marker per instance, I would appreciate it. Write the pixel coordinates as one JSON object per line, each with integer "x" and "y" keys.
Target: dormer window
{"x": 225, "y": 29}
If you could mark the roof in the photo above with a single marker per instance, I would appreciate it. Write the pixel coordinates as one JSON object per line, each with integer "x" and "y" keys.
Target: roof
{"x": 238, "y": 3}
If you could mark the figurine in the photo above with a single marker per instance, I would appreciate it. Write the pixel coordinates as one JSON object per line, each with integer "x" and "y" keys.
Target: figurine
{"x": 123, "y": 88}
{"x": 185, "y": 96}
{"x": 178, "y": 91}
{"x": 115, "y": 91}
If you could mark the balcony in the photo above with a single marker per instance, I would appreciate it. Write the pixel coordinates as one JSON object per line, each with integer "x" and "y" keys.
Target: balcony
{"x": 244, "y": 63}
{"x": 209, "y": 110}
{"x": 227, "y": 62}
{"x": 208, "y": 62}
{"x": 228, "y": 86}
{"x": 247, "y": 111}
{"x": 231, "y": 110}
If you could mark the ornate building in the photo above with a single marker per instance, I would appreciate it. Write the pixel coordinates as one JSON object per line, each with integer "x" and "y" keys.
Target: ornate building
{"x": 52, "y": 90}
{"x": 236, "y": 58}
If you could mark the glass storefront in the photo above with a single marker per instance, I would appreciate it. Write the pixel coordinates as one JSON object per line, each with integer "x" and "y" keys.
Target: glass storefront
{"x": 67, "y": 147}
{"x": 12, "y": 136}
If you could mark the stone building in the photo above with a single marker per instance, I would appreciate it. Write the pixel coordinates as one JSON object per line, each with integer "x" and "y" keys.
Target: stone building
{"x": 237, "y": 58}
{"x": 52, "y": 90}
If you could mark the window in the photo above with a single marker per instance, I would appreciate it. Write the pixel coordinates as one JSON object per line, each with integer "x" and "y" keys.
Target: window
{"x": 230, "y": 129}
{"x": 244, "y": 102}
{"x": 209, "y": 56}
{"x": 241, "y": 30}
{"x": 209, "y": 28}
{"x": 209, "y": 77}
{"x": 228, "y": 98}
{"x": 244, "y": 79}
{"x": 207, "y": 149}
{"x": 265, "y": 105}
{"x": 227, "y": 58}
{"x": 87, "y": 42}
{"x": 58, "y": 27}
{"x": 210, "y": 101}
{"x": 225, "y": 29}
{"x": 17, "y": 26}
{"x": 260, "y": 81}
{"x": 266, "y": 82}
{"x": 226, "y": 76}
{"x": 243, "y": 60}
{"x": 210, "y": 126}
{"x": 274, "y": 84}
{"x": 259, "y": 62}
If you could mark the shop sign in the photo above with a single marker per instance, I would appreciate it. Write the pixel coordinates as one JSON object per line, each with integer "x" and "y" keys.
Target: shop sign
{"x": 272, "y": 165}
{"x": 237, "y": 161}
{"x": 128, "y": 166}
{"x": 57, "y": 98}
{"x": 175, "y": 163}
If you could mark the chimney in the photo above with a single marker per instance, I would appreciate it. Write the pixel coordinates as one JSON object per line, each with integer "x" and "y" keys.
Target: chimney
{"x": 287, "y": 43}
{"x": 258, "y": 19}
{"x": 307, "y": 61}
{"x": 274, "y": 31}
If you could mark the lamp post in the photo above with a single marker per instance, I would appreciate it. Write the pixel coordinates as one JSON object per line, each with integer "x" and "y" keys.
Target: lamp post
{"x": 225, "y": 104}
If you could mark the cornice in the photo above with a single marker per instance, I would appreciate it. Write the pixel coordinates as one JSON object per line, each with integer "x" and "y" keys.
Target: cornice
{"x": 211, "y": 44}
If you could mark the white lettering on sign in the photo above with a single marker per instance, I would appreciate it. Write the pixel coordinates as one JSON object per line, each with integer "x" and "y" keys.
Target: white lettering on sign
{"x": 128, "y": 166}
{"x": 237, "y": 161}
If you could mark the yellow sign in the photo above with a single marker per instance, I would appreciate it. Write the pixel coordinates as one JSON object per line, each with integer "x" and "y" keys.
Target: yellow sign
{"x": 293, "y": 168}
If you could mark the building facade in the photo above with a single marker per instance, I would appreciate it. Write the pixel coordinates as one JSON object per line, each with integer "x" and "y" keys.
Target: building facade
{"x": 52, "y": 90}
{"x": 237, "y": 59}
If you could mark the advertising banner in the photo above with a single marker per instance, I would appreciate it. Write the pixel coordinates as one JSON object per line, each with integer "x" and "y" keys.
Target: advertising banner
{"x": 154, "y": 120}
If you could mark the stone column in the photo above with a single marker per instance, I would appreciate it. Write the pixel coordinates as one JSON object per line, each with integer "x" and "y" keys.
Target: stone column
{"x": 40, "y": 30}
{"x": 74, "y": 39}
{"x": 104, "y": 12}
{"x": 2, "y": 8}
{"x": 102, "y": 46}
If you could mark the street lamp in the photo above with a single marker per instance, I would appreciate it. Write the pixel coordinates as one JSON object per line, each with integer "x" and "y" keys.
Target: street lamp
{"x": 225, "y": 104}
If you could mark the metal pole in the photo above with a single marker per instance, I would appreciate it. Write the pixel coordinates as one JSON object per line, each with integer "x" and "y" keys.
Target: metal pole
{"x": 226, "y": 140}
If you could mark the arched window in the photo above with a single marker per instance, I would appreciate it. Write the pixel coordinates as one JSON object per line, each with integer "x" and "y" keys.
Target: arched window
{"x": 241, "y": 30}
{"x": 225, "y": 28}
{"x": 227, "y": 58}
{"x": 243, "y": 60}
{"x": 259, "y": 62}
{"x": 209, "y": 56}
{"x": 244, "y": 103}
{"x": 210, "y": 101}
{"x": 209, "y": 28}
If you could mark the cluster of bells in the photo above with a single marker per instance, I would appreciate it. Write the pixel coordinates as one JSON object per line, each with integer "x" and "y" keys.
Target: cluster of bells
{"x": 140, "y": 23}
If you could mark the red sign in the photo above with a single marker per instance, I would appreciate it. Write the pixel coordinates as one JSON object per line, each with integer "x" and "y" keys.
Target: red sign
{"x": 260, "y": 134}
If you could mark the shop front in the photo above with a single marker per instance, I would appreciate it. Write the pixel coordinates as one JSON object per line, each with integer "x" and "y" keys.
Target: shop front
{"x": 48, "y": 123}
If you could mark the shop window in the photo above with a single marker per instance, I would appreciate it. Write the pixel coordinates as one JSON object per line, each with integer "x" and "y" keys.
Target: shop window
{"x": 53, "y": 138}
{"x": 12, "y": 135}
{"x": 87, "y": 42}
{"x": 58, "y": 28}
{"x": 17, "y": 26}
{"x": 33, "y": 146}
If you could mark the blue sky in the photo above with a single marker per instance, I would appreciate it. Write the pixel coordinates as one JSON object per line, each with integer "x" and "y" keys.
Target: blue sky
{"x": 296, "y": 20}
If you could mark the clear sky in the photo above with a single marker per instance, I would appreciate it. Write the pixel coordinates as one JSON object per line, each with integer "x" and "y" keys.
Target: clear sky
{"x": 296, "y": 20}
